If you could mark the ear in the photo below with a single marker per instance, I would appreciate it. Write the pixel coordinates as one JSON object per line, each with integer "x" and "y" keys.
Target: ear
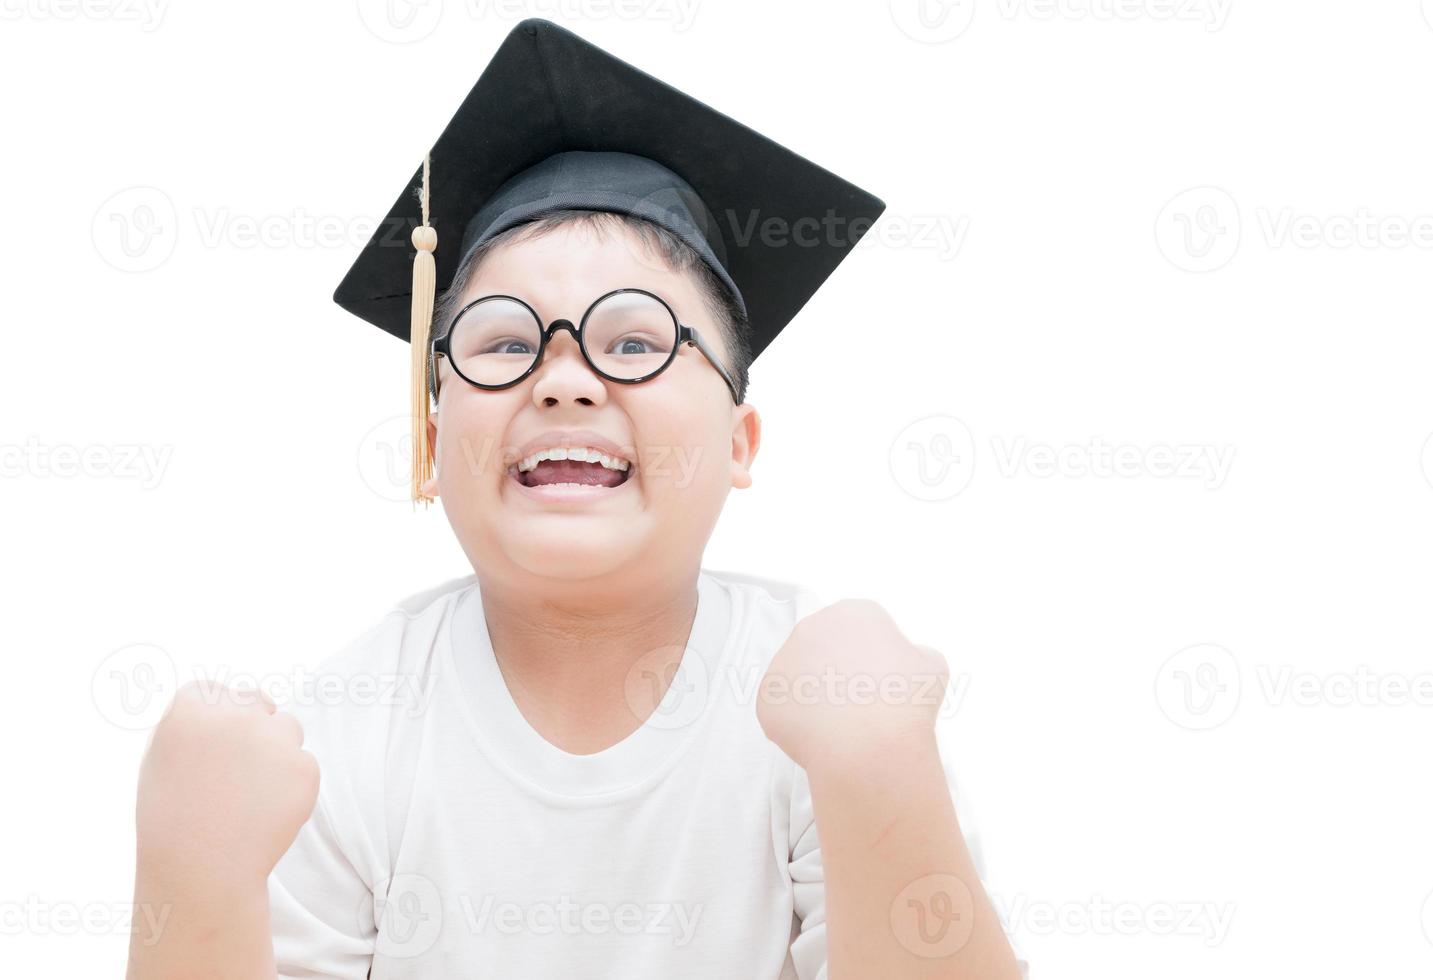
{"x": 745, "y": 441}
{"x": 430, "y": 486}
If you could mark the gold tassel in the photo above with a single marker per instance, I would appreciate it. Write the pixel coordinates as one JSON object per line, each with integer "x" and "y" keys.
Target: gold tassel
{"x": 425, "y": 276}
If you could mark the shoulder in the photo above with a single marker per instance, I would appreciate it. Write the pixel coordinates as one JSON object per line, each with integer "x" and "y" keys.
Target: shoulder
{"x": 402, "y": 639}
{"x": 390, "y": 660}
{"x": 771, "y": 598}
{"x": 358, "y": 698}
{"x": 363, "y": 708}
{"x": 763, "y": 612}
{"x": 424, "y": 603}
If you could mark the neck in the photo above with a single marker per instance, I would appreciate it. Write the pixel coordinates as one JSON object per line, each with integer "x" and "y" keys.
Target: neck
{"x": 579, "y": 662}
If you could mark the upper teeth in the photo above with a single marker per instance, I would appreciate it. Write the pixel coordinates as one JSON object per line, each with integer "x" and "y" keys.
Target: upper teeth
{"x": 581, "y": 453}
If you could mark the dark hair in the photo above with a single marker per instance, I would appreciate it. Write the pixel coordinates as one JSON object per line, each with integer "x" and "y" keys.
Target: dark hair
{"x": 681, "y": 257}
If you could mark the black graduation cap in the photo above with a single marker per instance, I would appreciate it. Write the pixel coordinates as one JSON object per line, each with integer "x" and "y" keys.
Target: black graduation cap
{"x": 556, "y": 122}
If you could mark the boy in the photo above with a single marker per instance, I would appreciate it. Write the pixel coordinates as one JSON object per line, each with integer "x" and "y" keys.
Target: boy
{"x": 607, "y": 760}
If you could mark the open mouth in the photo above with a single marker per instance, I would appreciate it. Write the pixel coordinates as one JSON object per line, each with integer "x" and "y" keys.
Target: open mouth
{"x": 577, "y": 467}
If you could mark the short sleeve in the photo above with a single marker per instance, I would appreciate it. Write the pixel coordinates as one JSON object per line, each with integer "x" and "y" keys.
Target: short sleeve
{"x": 808, "y": 883}
{"x": 320, "y": 909}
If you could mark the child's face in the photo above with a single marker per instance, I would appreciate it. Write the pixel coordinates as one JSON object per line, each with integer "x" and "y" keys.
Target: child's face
{"x": 687, "y": 442}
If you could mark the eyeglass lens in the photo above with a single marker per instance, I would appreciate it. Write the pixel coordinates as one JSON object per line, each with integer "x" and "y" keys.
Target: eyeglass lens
{"x": 628, "y": 335}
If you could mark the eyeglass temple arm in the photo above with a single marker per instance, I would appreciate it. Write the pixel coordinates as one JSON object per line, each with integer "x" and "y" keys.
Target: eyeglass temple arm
{"x": 689, "y": 334}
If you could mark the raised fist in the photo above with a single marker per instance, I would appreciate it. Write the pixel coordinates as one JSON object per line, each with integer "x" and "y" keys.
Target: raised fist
{"x": 847, "y": 685}
{"x": 225, "y": 785}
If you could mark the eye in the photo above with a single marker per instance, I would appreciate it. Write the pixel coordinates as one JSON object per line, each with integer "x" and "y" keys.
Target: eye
{"x": 508, "y": 345}
{"x": 633, "y": 344}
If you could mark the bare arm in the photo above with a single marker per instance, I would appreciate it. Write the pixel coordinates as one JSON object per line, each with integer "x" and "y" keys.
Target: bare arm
{"x": 903, "y": 899}
{"x": 203, "y": 929}
{"x": 223, "y": 790}
{"x": 854, "y": 703}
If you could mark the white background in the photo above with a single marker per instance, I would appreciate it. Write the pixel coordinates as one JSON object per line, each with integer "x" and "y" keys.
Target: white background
{"x": 1170, "y": 232}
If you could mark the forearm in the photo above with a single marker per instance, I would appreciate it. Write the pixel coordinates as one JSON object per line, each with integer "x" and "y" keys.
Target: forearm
{"x": 189, "y": 925}
{"x": 903, "y": 899}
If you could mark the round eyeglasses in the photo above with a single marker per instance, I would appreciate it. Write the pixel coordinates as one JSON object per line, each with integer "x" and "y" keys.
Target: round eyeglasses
{"x": 628, "y": 336}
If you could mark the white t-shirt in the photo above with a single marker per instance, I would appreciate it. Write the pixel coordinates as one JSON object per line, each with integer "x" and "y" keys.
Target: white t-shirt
{"x": 451, "y": 840}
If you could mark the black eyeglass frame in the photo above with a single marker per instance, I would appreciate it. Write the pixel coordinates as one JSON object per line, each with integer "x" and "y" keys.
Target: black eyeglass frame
{"x": 685, "y": 335}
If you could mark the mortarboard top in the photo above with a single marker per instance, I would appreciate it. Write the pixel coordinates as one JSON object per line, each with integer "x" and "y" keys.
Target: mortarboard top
{"x": 771, "y": 224}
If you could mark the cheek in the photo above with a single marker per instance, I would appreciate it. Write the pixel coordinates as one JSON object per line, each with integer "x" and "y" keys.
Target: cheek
{"x": 470, "y": 447}
{"x": 684, "y": 452}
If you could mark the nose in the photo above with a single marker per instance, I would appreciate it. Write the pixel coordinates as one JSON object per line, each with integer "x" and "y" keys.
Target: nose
{"x": 564, "y": 375}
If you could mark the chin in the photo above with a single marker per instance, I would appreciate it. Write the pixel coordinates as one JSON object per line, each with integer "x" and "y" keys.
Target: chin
{"x": 555, "y": 553}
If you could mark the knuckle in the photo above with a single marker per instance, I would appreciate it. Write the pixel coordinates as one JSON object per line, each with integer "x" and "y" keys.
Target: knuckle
{"x": 865, "y": 609}
{"x": 291, "y": 726}
{"x": 196, "y": 693}
{"x": 192, "y": 700}
{"x": 248, "y": 697}
{"x": 190, "y": 689}
{"x": 305, "y": 764}
{"x": 308, "y": 772}
{"x": 938, "y": 660}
